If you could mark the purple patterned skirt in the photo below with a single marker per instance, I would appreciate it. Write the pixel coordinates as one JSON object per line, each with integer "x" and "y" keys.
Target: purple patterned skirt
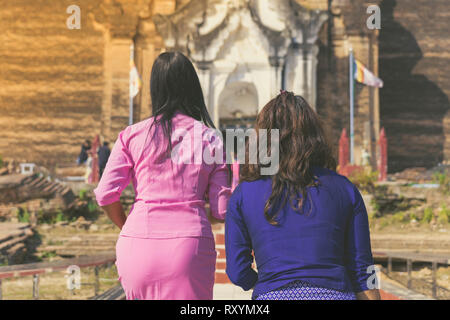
{"x": 300, "y": 290}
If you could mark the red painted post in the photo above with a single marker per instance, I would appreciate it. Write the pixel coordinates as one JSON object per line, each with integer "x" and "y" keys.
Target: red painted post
{"x": 343, "y": 151}
{"x": 93, "y": 178}
{"x": 382, "y": 160}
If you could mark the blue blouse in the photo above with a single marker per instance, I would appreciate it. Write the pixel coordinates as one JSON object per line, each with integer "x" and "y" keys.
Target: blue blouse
{"x": 327, "y": 244}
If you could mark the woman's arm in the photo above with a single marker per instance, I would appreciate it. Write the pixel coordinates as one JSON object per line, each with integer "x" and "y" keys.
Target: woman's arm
{"x": 219, "y": 190}
{"x": 116, "y": 213}
{"x": 238, "y": 246}
{"x": 358, "y": 251}
{"x": 115, "y": 178}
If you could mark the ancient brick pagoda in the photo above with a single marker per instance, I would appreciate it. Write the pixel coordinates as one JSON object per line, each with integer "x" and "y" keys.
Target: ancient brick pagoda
{"x": 59, "y": 86}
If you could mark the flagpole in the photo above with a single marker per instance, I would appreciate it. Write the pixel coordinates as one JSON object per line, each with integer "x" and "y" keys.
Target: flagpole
{"x": 130, "y": 118}
{"x": 352, "y": 98}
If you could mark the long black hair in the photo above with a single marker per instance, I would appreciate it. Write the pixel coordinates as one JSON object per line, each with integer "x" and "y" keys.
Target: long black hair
{"x": 175, "y": 87}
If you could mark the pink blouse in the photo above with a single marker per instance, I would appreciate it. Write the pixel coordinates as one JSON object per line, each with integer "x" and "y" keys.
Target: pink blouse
{"x": 169, "y": 191}
{"x": 235, "y": 172}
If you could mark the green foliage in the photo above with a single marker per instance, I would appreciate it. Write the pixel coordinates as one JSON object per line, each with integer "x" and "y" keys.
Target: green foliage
{"x": 82, "y": 194}
{"x": 364, "y": 179}
{"x": 399, "y": 217}
{"x": 383, "y": 222}
{"x": 92, "y": 207}
{"x": 444, "y": 215}
{"x": 2, "y": 163}
{"x": 59, "y": 217}
{"x": 41, "y": 217}
{"x": 58, "y": 243}
{"x": 48, "y": 254}
{"x": 413, "y": 216}
{"x": 375, "y": 208}
{"x": 443, "y": 179}
{"x": 51, "y": 217}
{"x": 23, "y": 215}
{"x": 427, "y": 215}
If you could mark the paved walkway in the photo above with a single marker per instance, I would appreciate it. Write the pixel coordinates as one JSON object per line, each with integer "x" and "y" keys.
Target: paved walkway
{"x": 399, "y": 291}
{"x": 226, "y": 291}
{"x": 392, "y": 291}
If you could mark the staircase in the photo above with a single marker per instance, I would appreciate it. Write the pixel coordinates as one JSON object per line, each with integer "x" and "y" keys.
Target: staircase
{"x": 219, "y": 236}
{"x": 16, "y": 188}
{"x": 13, "y": 238}
{"x": 79, "y": 245}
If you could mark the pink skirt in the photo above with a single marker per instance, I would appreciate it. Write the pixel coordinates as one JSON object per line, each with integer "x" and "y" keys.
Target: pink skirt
{"x": 166, "y": 269}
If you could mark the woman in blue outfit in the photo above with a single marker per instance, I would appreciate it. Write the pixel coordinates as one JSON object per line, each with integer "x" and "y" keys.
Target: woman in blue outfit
{"x": 306, "y": 225}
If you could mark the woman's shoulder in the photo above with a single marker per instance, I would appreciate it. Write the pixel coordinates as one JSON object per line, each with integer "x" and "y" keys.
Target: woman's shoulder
{"x": 181, "y": 120}
{"x": 251, "y": 190}
{"x": 330, "y": 174}
{"x": 330, "y": 177}
{"x": 254, "y": 187}
{"x": 135, "y": 129}
{"x": 140, "y": 125}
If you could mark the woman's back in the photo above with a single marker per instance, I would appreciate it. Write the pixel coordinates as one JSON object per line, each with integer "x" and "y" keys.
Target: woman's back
{"x": 325, "y": 244}
{"x": 166, "y": 248}
{"x": 170, "y": 187}
{"x": 307, "y": 225}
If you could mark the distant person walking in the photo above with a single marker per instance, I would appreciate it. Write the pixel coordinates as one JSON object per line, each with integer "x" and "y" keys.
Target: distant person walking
{"x": 83, "y": 155}
{"x": 103, "y": 156}
{"x": 307, "y": 225}
{"x": 88, "y": 164}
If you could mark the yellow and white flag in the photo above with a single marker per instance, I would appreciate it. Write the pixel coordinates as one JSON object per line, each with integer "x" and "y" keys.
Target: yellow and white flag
{"x": 135, "y": 79}
{"x": 365, "y": 76}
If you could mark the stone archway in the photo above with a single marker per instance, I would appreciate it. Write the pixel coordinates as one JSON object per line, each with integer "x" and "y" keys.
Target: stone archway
{"x": 237, "y": 104}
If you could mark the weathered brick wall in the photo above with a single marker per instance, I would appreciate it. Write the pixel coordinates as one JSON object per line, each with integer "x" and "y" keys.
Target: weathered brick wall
{"x": 314, "y": 4}
{"x": 219, "y": 236}
{"x": 346, "y": 27}
{"x": 50, "y": 81}
{"x": 414, "y": 64}
{"x": 221, "y": 263}
{"x": 60, "y": 86}
{"x": 57, "y": 88}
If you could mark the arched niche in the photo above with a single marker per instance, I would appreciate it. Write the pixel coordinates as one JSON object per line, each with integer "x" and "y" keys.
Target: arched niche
{"x": 237, "y": 104}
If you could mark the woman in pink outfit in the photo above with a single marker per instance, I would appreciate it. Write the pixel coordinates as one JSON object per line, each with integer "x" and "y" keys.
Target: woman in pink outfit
{"x": 166, "y": 248}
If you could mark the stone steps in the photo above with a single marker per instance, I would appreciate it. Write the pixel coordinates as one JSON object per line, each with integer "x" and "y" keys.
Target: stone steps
{"x": 75, "y": 248}
{"x": 81, "y": 252}
{"x": 13, "y": 238}
{"x": 84, "y": 239}
{"x": 219, "y": 237}
{"x": 18, "y": 188}
{"x": 11, "y": 235}
{"x": 79, "y": 244}
{"x": 408, "y": 242}
{"x": 17, "y": 252}
{"x": 6, "y": 245}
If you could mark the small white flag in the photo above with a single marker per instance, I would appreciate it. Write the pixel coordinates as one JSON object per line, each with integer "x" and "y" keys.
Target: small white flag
{"x": 364, "y": 75}
{"x": 135, "y": 79}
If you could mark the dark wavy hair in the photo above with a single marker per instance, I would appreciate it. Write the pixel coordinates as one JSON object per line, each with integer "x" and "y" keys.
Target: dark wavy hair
{"x": 302, "y": 145}
{"x": 175, "y": 87}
